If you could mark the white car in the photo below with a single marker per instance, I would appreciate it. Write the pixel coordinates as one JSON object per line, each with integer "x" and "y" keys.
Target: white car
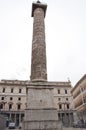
{"x": 12, "y": 125}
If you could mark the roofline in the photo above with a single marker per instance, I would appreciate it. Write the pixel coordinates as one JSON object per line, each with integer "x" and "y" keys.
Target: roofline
{"x": 78, "y": 83}
{"x": 28, "y": 82}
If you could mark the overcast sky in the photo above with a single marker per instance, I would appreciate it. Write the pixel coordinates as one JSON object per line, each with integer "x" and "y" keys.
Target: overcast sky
{"x": 65, "y": 39}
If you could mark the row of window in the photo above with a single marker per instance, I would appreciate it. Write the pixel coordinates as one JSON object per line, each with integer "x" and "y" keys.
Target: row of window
{"x": 60, "y": 106}
{"x": 20, "y": 90}
{"x": 59, "y": 92}
{"x": 10, "y": 106}
{"x": 84, "y": 88}
{"x": 11, "y": 98}
{"x": 59, "y": 99}
{"x": 12, "y": 90}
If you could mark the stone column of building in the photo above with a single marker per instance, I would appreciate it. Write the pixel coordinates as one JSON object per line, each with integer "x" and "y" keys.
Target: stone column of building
{"x": 38, "y": 63}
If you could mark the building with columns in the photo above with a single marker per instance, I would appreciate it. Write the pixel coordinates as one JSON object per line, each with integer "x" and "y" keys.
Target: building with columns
{"x": 63, "y": 102}
{"x": 13, "y": 99}
{"x": 79, "y": 98}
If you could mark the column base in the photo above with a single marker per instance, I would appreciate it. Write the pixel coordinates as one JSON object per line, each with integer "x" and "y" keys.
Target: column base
{"x": 42, "y": 119}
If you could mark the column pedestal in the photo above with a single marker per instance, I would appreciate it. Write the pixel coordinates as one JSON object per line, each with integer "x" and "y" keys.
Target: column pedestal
{"x": 40, "y": 113}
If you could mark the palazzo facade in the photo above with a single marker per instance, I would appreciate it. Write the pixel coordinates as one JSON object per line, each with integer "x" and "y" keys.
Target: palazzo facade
{"x": 13, "y": 100}
{"x": 79, "y": 98}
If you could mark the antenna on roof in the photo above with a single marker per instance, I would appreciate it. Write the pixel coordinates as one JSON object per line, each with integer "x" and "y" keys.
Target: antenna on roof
{"x": 68, "y": 79}
{"x": 38, "y": 1}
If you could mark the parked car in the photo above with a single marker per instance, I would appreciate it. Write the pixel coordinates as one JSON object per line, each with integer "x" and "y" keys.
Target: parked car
{"x": 79, "y": 124}
{"x": 75, "y": 124}
{"x": 12, "y": 125}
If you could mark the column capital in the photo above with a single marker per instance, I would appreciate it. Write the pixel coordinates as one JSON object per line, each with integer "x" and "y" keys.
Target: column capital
{"x": 38, "y": 5}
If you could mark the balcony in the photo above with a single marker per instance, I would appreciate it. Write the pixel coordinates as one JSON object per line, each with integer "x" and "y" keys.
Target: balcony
{"x": 78, "y": 93}
{"x": 79, "y": 104}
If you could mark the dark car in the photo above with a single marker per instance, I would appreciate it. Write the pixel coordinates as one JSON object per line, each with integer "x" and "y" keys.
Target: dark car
{"x": 79, "y": 124}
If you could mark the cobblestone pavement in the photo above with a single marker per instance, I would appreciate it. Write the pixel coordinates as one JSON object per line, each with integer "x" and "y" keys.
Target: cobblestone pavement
{"x": 13, "y": 129}
{"x": 71, "y": 128}
{"x": 61, "y": 129}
